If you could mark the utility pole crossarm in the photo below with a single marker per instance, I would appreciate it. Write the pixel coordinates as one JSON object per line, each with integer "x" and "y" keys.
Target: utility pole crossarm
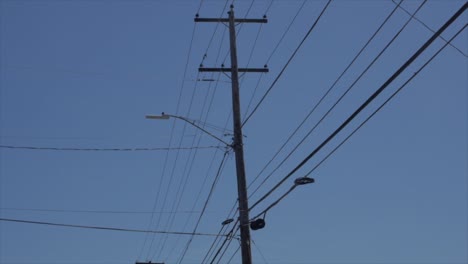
{"x": 203, "y": 69}
{"x": 237, "y": 20}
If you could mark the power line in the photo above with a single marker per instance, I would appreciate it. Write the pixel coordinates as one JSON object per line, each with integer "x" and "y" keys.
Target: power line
{"x": 103, "y": 227}
{"x": 90, "y": 211}
{"x": 386, "y": 101}
{"x": 216, "y": 241}
{"x": 105, "y": 149}
{"x": 430, "y": 29}
{"x": 286, "y": 31}
{"x": 344, "y": 94}
{"x": 214, "y": 33}
{"x": 233, "y": 255}
{"x": 364, "y": 122}
{"x": 188, "y": 166}
{"x": 208, "y": 198}
{"x": 259, "y": 251}
{"x": 287, "y": 63}
{"x": 156, "y": 199}
{"x": 315, "y": 107}
{"x": 214, "y": 155}
{"x": 366, "y": 103}
{"x": 273, "y": 52}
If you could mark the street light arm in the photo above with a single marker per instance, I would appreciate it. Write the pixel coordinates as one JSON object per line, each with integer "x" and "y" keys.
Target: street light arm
{"x": 167, "y": 116}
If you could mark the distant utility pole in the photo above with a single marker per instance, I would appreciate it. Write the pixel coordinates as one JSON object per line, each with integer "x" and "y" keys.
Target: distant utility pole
{"x": 237, "y": 144}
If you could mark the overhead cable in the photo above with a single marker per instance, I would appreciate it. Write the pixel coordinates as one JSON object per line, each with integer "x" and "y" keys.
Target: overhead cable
{"x": 166, "y": 158}
{"x": 315, "y": 107}
{"x": 105, "y": 149}
{"x": 271, "y": 54}
{"x": 208, "y": 198}
{"x": 90, "y": 211}
{"x": 385, "y": 102}
{"x": 286, "y": 31}
{"x": 430, "y": 29}
{"x": 364, "y": 122}
{"x": 367, "y": 102}
{"x": 103, "y": 227}
{"x": 287, "y": 63}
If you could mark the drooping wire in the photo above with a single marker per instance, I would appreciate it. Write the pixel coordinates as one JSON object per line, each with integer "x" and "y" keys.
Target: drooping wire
{"x": 208, "y": 198}
{"x": 286, "y": 31}
{"x": 366, "y": 120}
{"x": 104, "y": 149}
{"x": 231, "y": 215}
{"x": 366, "y": 103}
{"x": 90, "y": 211}
{"x": 274, "y": 50}
{"x": 275, "y": 202}
{"x": 229, "y": 236}
{"x": 269, "y": 6}
{"x": 180, "y": 187}
{"x": 234, "y": 254}
{"x": 287, "y": 64}
{"x": 102, "y": 227}
{"x": 200, "y": 6}
{"x": 187, "y": 173}
{"x": 386, "y": 101}
{"x": 166, "y": 158}
{"x": 248, "y": 108}
{"x": 171, "y": 177}
{"x": 226, "y": 247}
{"x": 430, "y": 29}
{"x": 214, "y": 33}
{"x": 322, "y": 99}
{"x": 259, "y": 251}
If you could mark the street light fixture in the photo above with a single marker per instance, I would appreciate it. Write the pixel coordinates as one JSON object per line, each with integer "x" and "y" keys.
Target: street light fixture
{"x": 303, "y": 180}
{"x": 165, "y": 116}
{"x": 227, "y": 221}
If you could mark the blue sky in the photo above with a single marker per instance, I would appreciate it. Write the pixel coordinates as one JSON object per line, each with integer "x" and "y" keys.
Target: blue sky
{"x": 83, "y": 74}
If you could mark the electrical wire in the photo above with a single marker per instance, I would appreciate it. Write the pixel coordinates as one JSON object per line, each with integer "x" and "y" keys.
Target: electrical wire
{"x": 228, "y": 237}
{"x": 103, "y": 227}
{"x": 225, "y": 250}
{"x": 155, "y": 203}
{"x": 259, "y": 251}
{"x": 208, "y": 254}
{"x": 366, "y": 103}
{"x": 190, "y": 161}
{"x": 216, "y": 241}
{"x": 287, "y": 63}
{"x": 171, "y": 180}
{"x": 208, "y": 198}
{"x": 269, "y": 6}
{"x": 234, "y": 254}
{"x": 286, "y": 31}
{"x": 200, "y": 6}
{"x": 430, "y": 29}
{"x": 91, "y": 211}
{"x": 386, "y": 101}
{"x": 276, "y": 202}
{"x": 365, "y": 121}
{"x": 340, "y": 98}
{"x": 105, "y": 149}
{"x": 214, "y": 33}
{"x": 274, "y": 50}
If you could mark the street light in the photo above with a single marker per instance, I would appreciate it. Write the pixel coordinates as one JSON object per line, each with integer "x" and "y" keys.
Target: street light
{"x": 165, "y": 116}
{"x": 259, "y": 223}
{"x": 303, "y": 180}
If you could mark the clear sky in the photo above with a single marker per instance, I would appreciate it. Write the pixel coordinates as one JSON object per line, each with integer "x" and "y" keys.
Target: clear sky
{"x": 77, "y": 78}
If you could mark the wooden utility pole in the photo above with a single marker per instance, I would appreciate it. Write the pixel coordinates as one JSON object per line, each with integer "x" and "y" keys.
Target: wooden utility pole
{"x": 237, "y": 144}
